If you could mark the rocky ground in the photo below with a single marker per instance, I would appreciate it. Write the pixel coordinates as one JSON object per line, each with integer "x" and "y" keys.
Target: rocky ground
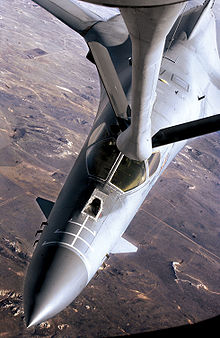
{"x": 49, "y": 95}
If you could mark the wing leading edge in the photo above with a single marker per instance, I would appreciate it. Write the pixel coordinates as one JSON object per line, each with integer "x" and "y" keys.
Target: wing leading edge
{"x": 78, "y": 18}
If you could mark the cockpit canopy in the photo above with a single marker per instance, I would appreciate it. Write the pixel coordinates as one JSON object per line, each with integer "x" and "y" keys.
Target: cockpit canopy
{"x": 101, "y": 158}
{"x": 105, "y": 162}
{"x": 129, "y": 174}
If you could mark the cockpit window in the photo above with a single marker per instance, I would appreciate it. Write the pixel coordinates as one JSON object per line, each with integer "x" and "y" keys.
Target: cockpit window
{"x": 129, "y": 174}
{"x": 153, "y": 163}
{"x": 101, "y": 157}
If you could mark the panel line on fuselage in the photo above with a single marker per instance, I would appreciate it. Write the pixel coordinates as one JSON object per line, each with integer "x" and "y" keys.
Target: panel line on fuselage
{"x": 80, "y": 230}
{"x": 79, "y": 224}
{"x": 75, "y": 235}
{"x": 73, "y": 248}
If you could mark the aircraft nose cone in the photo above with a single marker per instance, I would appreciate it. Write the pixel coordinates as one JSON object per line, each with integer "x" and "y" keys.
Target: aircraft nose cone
{"x": 55, "y": 277}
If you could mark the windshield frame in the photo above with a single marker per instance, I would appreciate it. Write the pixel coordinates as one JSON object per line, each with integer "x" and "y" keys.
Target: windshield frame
{"x": 112, "y": 171}
{"x": 113, "y": 166}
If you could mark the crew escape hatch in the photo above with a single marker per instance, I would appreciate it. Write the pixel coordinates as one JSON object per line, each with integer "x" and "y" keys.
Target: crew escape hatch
{"x": 94, "y": 206}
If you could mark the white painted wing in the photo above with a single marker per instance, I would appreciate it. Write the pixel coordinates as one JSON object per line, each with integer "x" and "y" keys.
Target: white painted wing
{"x": 123, "y": 246}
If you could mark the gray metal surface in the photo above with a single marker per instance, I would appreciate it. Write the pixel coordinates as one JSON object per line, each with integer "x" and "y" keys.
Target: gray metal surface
{"x": 71, "y": 14}
{"x": 148, "y": 28}
{"x": 55, "y": 277}
{"x": 110, "y": 79}
{"x": 134, "y": 3}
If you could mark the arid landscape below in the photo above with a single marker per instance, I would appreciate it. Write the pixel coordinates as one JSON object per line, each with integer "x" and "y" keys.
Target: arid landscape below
{"x": 49, "y": 94}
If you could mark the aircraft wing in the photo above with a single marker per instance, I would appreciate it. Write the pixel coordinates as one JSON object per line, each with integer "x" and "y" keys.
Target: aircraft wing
{"x": 78, "y": 18}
